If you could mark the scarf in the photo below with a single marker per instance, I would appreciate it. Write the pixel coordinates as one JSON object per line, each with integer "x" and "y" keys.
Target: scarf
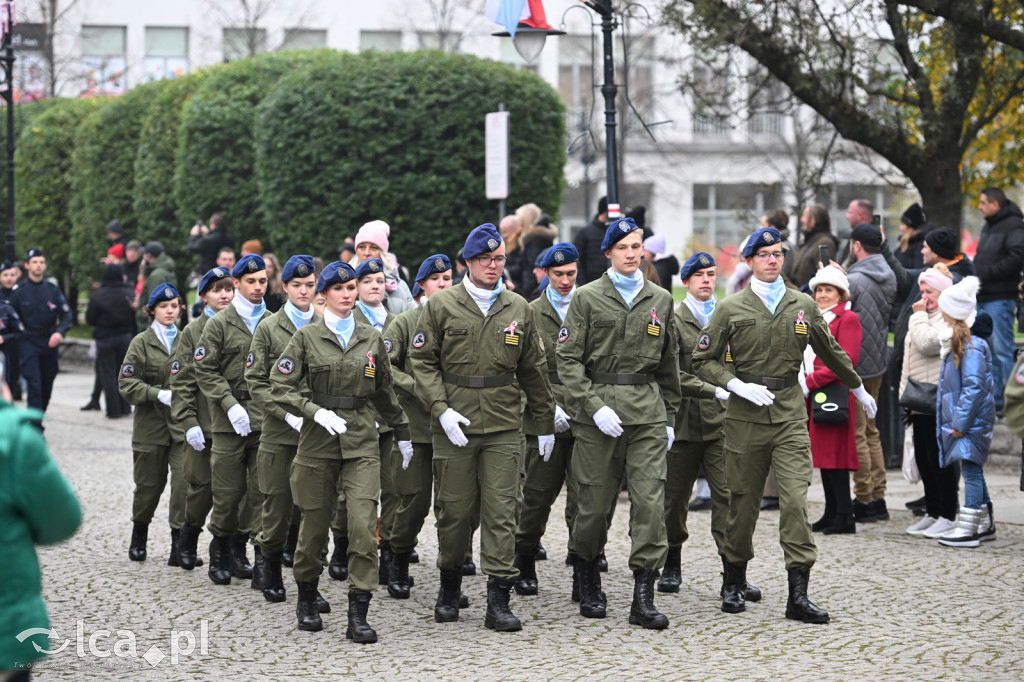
{"x": 701, "y": 309}
{"x": 209, "y": 312}
{"x": 341, "y": 326}
{"x": 627, "y": 286}
{"x": 299, "y": 319}
{"x": 484, "y": 298}
{"x": 770, "y": 293}
{"x": 375, "y": 316}
{"x": 558, "y": 302}
{"x": 166, "y": 333}
{"x": 251, "y": 313}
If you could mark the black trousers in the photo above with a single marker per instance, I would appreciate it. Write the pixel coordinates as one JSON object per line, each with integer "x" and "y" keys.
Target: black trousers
{"x": 12, "y": 367}
{"x": 110, "y": 353}
{"x": 941, "y": 485}
{"x": 836, "y": 483}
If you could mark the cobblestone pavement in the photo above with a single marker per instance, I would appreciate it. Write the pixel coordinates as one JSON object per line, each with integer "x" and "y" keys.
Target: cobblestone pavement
{"x": 902, "y": 608}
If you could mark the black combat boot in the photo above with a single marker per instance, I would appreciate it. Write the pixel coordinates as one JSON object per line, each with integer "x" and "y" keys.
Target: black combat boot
{"x": 175, "y": 558}
{"x": 734, "y": 587}
{"x": 671, "y": 575}
{"x": 338, "y": 566}
{"x": 238, "y": 562}
{"x": 602, "y": 563}
{"x": 359, "y": 630}
{"x": 305, "y": 608}
{"x": 446, "y": 609}
{"x": 398, "y": 580}
{"x": 499, "y": 615}
{"x": 322, "y": 605}
{"x": 220, "y": 549}
{"x": 188, "y": 541}
{"x": 750, "y": 593}
{"x": 642, "y": 612}
{"x": 288, "y": 556}
{"x": 259, "y": 569}
{"x": 469, "y": 568}
{"x": 592, "y": 600}
{"x": 414, "y": 557}
{"x": 384, "y": 565}
{"x": 273, "y": 582}
{"x": 540, "y": 553}
{"x": 137, "y": 546}
{"x": 526, "y": 562}
{"x": 799, "y": 607}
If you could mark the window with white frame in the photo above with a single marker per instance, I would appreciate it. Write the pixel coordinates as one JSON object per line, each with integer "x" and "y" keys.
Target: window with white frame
{"x": 725, "y": 214}
{"x": 382, "y": 41}
{"x": 240, "y": 43}
{"x": 103, "y": 60}
{"x": 304, "y": 38}
{"x": 166, "y": 53}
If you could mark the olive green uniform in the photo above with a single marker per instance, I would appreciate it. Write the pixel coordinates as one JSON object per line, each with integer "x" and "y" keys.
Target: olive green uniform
{"x": 345, "y": 381}
{"x": 455, "y": 349}
{"x": 767, "y": 349}
{"x": 220, "y": 361}
{"x": 623, "y": 357}
{"x": 156, "y": 442}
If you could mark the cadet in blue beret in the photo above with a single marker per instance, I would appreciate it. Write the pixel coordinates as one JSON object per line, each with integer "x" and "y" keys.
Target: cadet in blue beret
{"x": 156, "y": 441}
{"x": 335, "y": 273}
{"x": 248, "y": 265}
{"x": 298, "y": 266}
{"x": 483, "y": 239}
{"x": 433, "y": 266}
{"x": 212, "y": 277}
{"x": 765, "y": 236}
{"x": 617, "y": 231}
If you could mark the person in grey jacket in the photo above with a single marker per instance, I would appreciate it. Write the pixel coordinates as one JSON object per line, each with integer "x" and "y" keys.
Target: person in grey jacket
{"x": 872, "y": 291}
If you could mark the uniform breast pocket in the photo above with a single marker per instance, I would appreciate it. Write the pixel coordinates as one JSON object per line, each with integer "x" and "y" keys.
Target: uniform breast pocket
{"x": 509, "y": 344}
{"x": 604, "y": 335}
{"x": 745, "y": 339}
{"x": 458, "y": 346}
{"x": 319, "y": 378}
{"x": 151, "y": 374}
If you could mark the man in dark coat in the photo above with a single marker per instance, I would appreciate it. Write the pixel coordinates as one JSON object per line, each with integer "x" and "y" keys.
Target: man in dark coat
{"x": 112, "y": 319}
{"x": 208, "y": 242}
{"x": 588, "y": 244}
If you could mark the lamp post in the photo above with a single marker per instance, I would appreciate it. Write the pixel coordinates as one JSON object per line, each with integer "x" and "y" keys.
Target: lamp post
{"x": 7, "y": 20}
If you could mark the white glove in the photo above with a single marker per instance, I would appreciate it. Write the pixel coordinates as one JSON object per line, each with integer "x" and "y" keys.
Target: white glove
{"x": 293, "y": 421}
{"x": 450, "y": 420}
{"x": 755, "y": 393}
{"x": 721, "y": 393}
{"x": 671, "y": 436}
{"x": 405, "y": 447}
{"x": 608, "y": 422}
{"x": 239, "y": 419}
{"x": 803, "y": 386}
{"x": 547, "y": 444}
{"x": 561, "y": 420}
{"x": 195, "y": 438}
{"x": 866, "y": 401}
{"x": 164, "y": 396}
{"x": 334, "y": 424}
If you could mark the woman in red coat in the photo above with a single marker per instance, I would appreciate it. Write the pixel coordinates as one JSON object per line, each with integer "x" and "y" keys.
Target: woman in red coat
{"x": 833, "y": 446}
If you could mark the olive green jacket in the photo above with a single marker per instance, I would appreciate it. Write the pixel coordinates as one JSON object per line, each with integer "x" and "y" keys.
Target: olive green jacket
{"x": 220, "y": 362}
{"x": 699, "y": 419}
{"x": 766, "y": 345}
{"x": 601, "y": 334}
{"x": 398, "y": 335}
{"x": 548, "y": 324}
{"x": 453, "y": 336}
{"x": 146, "y": 370}
{"x": 268, "y": 342}
{"x": 314, "y": 361}
{"x": 383, "y": 426}
{"x": 189, "y": 406}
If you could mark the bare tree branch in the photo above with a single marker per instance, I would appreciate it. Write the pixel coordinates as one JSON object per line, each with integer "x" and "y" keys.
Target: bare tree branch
{"x": 968, "y": 15}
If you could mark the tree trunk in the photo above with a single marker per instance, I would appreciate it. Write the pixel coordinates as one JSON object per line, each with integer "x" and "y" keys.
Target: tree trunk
{"x": 942, "y": 195}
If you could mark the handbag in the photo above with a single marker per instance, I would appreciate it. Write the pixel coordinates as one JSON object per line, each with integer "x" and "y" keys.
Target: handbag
{"x": 919, "y": 396}
{"x": 830, "y": 405}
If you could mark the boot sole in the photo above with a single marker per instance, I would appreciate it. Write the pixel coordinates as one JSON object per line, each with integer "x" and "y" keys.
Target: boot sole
{"x": 512, "y": 627}
{"x": 526, "y": 590}
{"x": 187, "y": 566}
{"x": 968, "y": 543}
{"x": 398, "y": 594}
{"x": 814, "y": 620}
{"x": 593, "y": 614}
{"x": 368, "y": 639}
{"x": 220, "y": 581}
{"x": 667, "y": 589}
{"x": 445, "y": 618}
{"x": 274, "y": 598}
{"x": 657, "y": 624}
{"x": 311, "y": 628}
{"x": 734, "y": 609}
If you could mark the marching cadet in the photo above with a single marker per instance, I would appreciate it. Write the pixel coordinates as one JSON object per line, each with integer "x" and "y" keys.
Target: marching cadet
{"x": 765, "y": 329}
{"x": 698, "y": 429}
{"x": 220, "y": 362}
{"x": 344, "y": 365}
{"x": 279, "y": 438}
{"x": 145, "y": 383}
{"x": 191, "y": 409}
{"x": 617, "y": 360}
{"x": 472, "y": 344}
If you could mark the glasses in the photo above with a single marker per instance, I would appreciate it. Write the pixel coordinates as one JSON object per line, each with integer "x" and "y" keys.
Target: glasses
{"x": 487, "y": 260}
{"x": 765, "y": 255}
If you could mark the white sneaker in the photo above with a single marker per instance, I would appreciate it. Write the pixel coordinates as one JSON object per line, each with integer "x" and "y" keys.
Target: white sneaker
{"x": 939, "y": 528}
{"x": 921, "y": 526}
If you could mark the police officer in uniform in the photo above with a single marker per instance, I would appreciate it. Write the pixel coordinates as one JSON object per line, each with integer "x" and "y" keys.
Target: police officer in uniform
{"x": 765, "y": 329}
{"x": 472, "y": 345}
{"x": 47, "y": 319}
{"x": 344, "y": 365}
{"x": 220, "y": 363}
{"x": 9, "y": 274}
{"x": 145, "y": 383}
{"x": 617, "y": 358}
{"x": 279, "y": 438}
{"x": 191, "y": 409}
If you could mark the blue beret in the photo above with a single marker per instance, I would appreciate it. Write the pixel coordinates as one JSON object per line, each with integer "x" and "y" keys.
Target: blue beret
{"x": 617, "y": 230}
{"x": 482, "y": 239}
{"x": 432, "y": 265}
{"x": 370, "y": 266}
{"x": 766, "y": 236}
{"x": 212, "y": 277}
{"x": 416, "y": 289}
{"x": 561, "y": 253}
{"x": 335, "y": 273}
{"x": 163, "y": 292}
{"x": 247, "y": 265}
{"x": 35, "y": 252}
{"x": 298, "y": 266}
{"x": 697, "y": 261}
{"x": 543, "y": 284}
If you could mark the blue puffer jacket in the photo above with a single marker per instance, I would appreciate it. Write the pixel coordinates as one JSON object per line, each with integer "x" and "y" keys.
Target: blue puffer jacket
{"x": 966, "y": 403}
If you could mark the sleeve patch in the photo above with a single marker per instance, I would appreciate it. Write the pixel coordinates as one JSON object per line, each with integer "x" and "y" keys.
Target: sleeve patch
{"x": 704, "y": 342}
{"x": 249, "y": 359}
{"x": 419, "y": 340}
{"x": 389, "y": 345}
{"x": 175, "y": 367}
{"x": 128, "y": 371}
{"x": 285, "y": 365}
{"x": 200, "y": 352}
{"x": 563, "y": 335}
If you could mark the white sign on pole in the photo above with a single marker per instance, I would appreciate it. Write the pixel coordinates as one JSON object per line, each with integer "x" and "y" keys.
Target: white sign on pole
{"x": 496, "y": 155}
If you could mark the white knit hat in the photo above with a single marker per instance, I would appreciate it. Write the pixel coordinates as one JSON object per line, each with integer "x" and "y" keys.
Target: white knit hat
{"x": 830, "y": 274}
{"x": 960, "y": 300}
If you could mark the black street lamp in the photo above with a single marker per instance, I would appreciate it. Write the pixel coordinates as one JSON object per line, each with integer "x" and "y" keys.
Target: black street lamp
{"x": 7, "y": 17}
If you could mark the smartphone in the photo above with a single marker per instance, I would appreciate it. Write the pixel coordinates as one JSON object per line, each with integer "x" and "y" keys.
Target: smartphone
{"x": 199, "y": 222}
{"x": 876, "y": 219}
{"x": 823, "y": 255}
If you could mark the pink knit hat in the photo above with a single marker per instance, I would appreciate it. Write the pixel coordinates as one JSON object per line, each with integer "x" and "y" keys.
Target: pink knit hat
{"x": 936, "y": 279}
{"x": 375, "y": 232}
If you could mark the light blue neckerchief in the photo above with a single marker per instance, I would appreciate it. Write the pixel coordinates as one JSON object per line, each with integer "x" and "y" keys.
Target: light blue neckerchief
{"x": 251, "y": 313}
{"x": 299, "y": 319}
{"x": 701, "y": 309}
{"x": 626, "y": 285}
{"x": 375, "y": 316}
{"x": 484, "y": 298}
{"x": 558, "y": 302}
{"x": 770, "y": 293}
{"x": 209, "y": 312}
{"x": 166, "y": 334}
{"x": 344, "y": 330}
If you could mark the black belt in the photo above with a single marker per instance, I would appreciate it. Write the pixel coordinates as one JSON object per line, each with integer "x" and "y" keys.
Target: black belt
{"x": 553, "y": 378}
{"x": 306, "y": 394}
{"x": 620, "y": 379}
{"x": 771, "y": 383}
{"x": 470, "y": 381}
{"x": 40, "y": 333}
{"x": 241, "y": 394}
{"x": 338, "y": 402}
